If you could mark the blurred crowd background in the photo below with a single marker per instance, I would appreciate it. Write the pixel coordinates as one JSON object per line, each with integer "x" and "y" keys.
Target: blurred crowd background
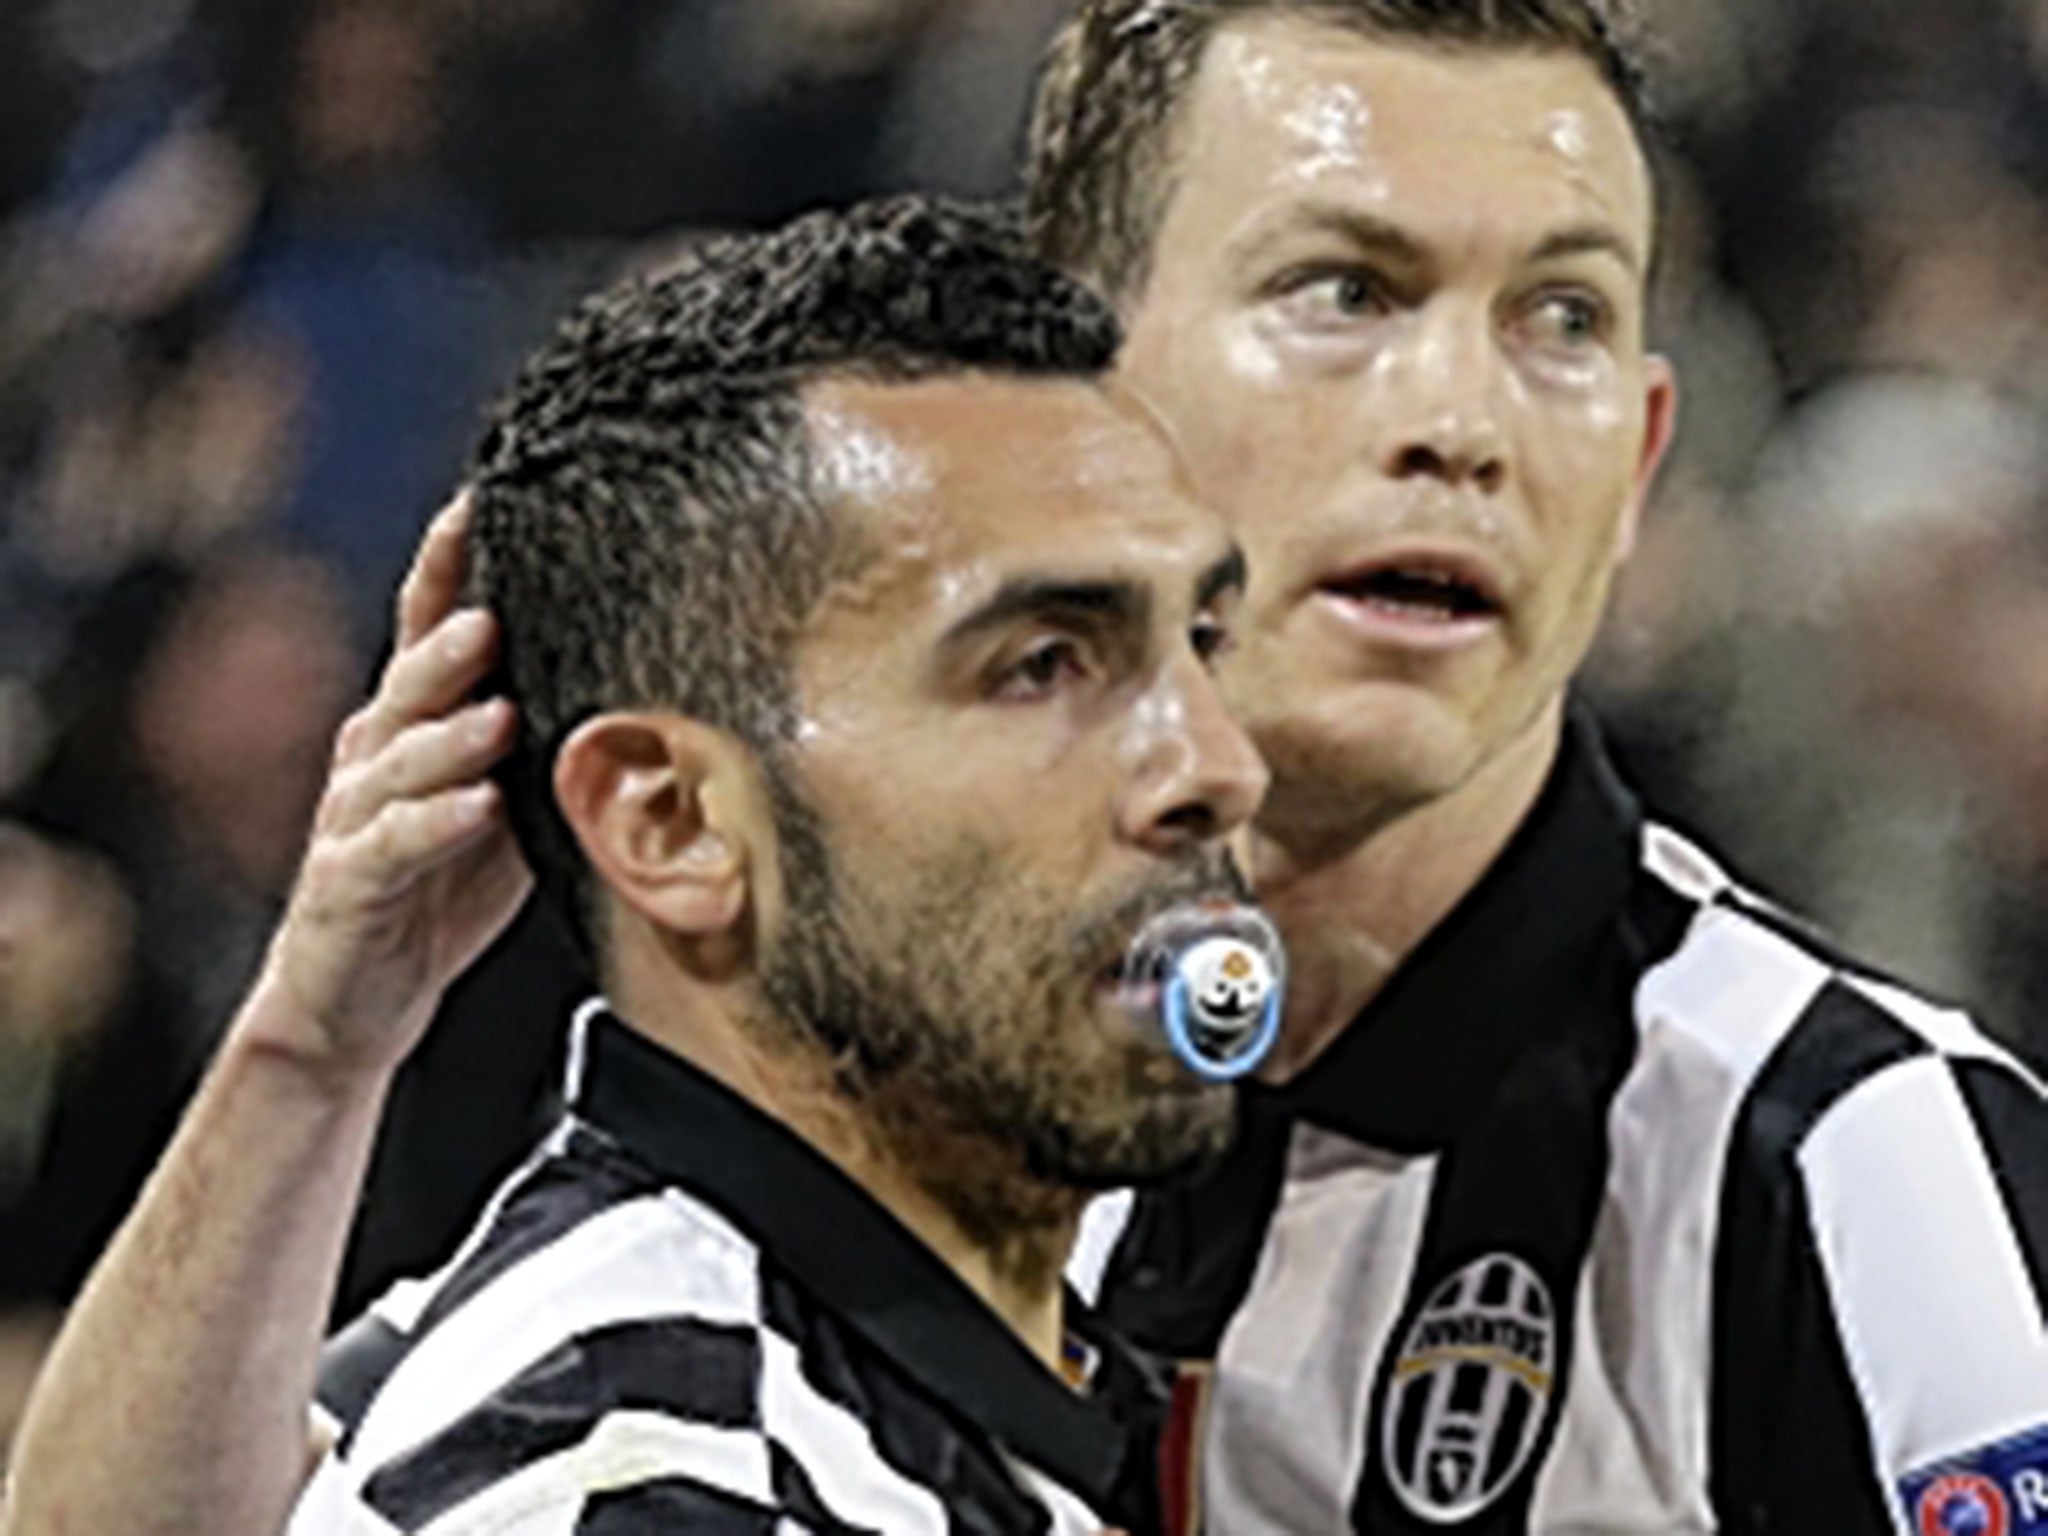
{"x": 261, "y": 262}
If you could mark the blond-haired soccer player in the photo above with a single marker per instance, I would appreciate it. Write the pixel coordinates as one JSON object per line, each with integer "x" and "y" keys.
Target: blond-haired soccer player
{"x": 1595, "y": 1195}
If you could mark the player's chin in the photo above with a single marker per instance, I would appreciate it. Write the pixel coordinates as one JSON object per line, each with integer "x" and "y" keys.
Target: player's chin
{"x": 1170, "y": 1132}
{"x": 1129, "y": 1065}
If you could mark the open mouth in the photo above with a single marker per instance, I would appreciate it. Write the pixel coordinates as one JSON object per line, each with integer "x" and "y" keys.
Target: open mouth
{"x": 1420, "y": 591}
{"x": 1134, "y": 985}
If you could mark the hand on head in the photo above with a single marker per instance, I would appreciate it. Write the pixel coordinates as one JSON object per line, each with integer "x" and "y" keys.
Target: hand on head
{"x": 411, "y": 870}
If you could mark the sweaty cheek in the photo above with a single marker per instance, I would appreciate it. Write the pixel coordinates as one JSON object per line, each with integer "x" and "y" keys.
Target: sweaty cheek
{"x": 1251, "y": 353}
{"x": 1290, "y": 342}
{"x": 1585, "y": 436}
{"x": 1268, "y": 389}
{"x": 852, "y": 716}
{"x": 1574, "y": 460}
{"x": 1607, "y": 416}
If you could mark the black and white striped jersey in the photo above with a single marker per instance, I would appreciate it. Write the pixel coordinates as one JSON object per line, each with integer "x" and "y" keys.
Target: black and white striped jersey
{"x": 1627, "y": 1207}
{"x": 679, "y": 1317}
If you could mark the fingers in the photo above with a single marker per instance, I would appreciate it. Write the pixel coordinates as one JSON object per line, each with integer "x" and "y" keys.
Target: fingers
{"x": 421, "y": 762}
{"x": 424, "y": 680}
{"x": 432, "y": 676}
{"x": 440, "y": 654}
{"x": 410, "y": 838}
{"x": 433, "y": 586}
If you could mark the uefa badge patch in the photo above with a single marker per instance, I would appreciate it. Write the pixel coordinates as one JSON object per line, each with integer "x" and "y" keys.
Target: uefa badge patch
{"x": 1996, "y": 1490}
{"x": 1470, "y": 1389}
{"x": 1962, "y": 1504}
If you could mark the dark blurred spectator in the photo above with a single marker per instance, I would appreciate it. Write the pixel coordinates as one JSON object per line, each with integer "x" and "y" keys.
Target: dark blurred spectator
{"x": 1878, "y": 616}
{"x": 89, "y": 1085}
{"x": 621, "y": 118}
{"x": 140, "y": 875}
{"x": 957, "y": 126}
{"x": 363, "y": 270}
{"x": 193, "y": 729}
{"x": 67, "y": 949}
{"x": 34, "y": 107}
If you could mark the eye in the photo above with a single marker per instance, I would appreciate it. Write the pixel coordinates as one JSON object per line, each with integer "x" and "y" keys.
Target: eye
{"x": 1333, "y": 295}
{"x": 1042, "y": 670}
{"x": 1351, "y": 293}
{"x": 1568, "y": 320}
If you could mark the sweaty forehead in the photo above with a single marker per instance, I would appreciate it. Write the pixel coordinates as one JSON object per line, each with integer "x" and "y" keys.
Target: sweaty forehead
{"x": 1284, "y": 107}
{"x": 976, "y": 469}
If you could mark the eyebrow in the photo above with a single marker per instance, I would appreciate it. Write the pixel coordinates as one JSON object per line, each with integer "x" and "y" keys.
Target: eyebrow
{"x": 1588, "y": 239}
{"x": 1119, "y": 601}
{"x": 1378, "y": 236}
{"x": 1122, "y": 602}
{"x": 1367, "y": 231}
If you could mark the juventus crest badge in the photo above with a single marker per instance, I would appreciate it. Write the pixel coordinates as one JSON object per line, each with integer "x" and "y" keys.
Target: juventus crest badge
{"x": 1470, "y": 1389}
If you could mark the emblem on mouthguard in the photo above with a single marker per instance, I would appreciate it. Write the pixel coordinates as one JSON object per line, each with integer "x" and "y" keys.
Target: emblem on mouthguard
{"x": 1227, "y": 982}
{"x": 1224, "y": 976}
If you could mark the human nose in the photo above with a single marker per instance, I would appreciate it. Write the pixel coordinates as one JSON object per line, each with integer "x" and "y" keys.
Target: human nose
{"x": 1440, "y": 408}
{"x": 1193, "y": 775}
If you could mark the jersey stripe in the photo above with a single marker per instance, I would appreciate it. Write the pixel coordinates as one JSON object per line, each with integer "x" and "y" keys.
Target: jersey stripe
{"x": 535, "y": 1204}
{"x": 1532, "y": 1190}
{"x": 1797, "y": 931}
{"x": 1840, "y": 1041}
{"x": 911, "y": 1435}
{"x": 357, "y": 1363}
{"x": 625, "y": 1450}
{"x": 623, "y": 1348}
{"x": 328, "y": 1505}
{"x": 1736, "y": 990}
{"x": 1681, "y": 1090}
{"x": 851, "y": 1478}
{"x": 555, "y": 1197}
{"x": 615, "y": 1267}
{"x": 2011, "y": 1120}
{"x": 673, "y": 1504}
{"x": 798, "y": 1496}
{"x": 406, "y": 1303}
{"x": 1948, "y": 1030}
{"x": 1773, "y": 1319}
{"x": 1936, "y": 1306}
{"x": 701, "y": 1372}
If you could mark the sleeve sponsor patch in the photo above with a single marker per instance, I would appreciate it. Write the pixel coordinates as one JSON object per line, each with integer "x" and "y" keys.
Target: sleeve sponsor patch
{"x": 1995, "y": 1490}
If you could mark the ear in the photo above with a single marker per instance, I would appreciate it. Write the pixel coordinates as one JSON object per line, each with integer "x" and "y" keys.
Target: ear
{"x": 1660, "y": 422}
{"x": 657, "y": 803}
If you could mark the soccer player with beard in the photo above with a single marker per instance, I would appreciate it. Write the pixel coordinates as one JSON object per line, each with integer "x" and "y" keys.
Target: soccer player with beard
{"x": 861, "y": 645}
{"x": 1592, "y": 1195}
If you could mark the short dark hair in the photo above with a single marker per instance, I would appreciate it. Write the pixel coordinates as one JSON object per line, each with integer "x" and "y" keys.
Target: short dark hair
{"x": 1101, "y": 146}
{"x": 646, "y": 526}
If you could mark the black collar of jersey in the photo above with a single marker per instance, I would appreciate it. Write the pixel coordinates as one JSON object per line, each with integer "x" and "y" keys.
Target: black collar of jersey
{"x": 847, "y": 1250}
{"x": 1504, "y": 968}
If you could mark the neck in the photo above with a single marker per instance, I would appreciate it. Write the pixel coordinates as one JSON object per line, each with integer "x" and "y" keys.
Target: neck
{"x": 1006, "y": 1234}
{"x": 1004, "y": 1231}
{"x": 1354, "y": 907}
